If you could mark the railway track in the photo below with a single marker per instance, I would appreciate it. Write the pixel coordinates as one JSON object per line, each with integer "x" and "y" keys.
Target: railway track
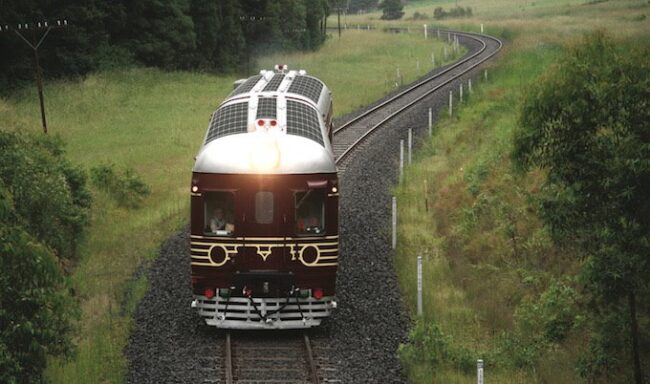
{"x": 288, "y": 357}
{"x": 350, "y": 135}
{"x": 294, "y": 357}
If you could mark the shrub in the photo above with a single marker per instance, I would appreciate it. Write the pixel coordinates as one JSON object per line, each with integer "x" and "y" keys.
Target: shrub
{"x": 49, "y": 194}
{"x": 127, "y": 188}
{"x": 43, "y": 211}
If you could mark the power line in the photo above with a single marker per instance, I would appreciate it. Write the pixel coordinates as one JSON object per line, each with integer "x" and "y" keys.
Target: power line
{"x": 23, "y": 29}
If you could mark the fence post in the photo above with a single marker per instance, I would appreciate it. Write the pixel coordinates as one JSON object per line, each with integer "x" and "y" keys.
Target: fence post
{"x": 419, "y": 285}
{"x": 485, "y": 75}
{"x": 394, "y": 233}
{"x": 410, "y": 145}
{"x": 451, "y": 102}
{"x": 430, "y": 121}
{"x": 481, "y": 27}
{"x": 433, "y": 59}
{"x": 469, "y": 86}
{"x": 479, "y": 371}
{"x": 425, "y": 31}
{"x": 401, "y": 160}
{"x": 460, "y": 97}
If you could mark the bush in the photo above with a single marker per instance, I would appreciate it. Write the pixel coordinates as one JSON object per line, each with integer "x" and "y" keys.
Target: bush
{"x": 439, "y": 13}
{"x": 43, "y": 212}
{"x": 427, "y": 343}
{"x": 49, "y": 194}
{"x": 127, "y": 187}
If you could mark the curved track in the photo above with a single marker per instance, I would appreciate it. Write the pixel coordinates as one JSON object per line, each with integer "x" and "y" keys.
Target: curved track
{"x": 349, "y": 135}
{"x": 289, "y": 359}
{"x": 163, "y": 348}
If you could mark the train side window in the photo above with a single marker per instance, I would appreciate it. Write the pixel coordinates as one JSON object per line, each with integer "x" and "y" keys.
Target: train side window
{"x": 219, "y": 213}
{"x": 264, "y": 207}
{"x": 310, "y": 212}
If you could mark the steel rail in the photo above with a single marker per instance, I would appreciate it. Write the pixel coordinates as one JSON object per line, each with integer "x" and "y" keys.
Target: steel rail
{"x": 228, "y": 367}
{"x": 310, "y": 360}
{"x": 393, "y": 114}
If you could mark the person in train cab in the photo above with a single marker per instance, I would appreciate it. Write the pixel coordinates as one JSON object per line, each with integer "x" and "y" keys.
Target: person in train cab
{"x": 218, "y": 221}
{"x": 309, "y": 224}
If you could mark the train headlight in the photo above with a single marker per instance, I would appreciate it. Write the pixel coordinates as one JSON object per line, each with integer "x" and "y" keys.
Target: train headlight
{"x": 265, "y": 154}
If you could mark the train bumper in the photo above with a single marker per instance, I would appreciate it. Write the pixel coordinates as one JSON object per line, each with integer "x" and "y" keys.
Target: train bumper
{"x": 263, "y": 313}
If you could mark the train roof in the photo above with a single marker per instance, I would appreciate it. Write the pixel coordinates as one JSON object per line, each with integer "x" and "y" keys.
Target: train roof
{"x": 275, "y": 123}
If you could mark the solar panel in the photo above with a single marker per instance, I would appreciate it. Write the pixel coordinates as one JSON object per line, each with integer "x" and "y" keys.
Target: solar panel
{"x": 302, "y": 120}
{"x": 228, "y": 120}
{"x": 246, "y": 86}
{"x": 307, "y": 86}
{"x": 266, "y": 108}
{"x": 274, "y": 83}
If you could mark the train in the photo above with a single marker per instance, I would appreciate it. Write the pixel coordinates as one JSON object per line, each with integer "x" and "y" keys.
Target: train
{"x": 264, "y": 239}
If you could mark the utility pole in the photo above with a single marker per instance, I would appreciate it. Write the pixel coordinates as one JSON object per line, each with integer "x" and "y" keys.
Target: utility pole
{"x": 24, "y": 29}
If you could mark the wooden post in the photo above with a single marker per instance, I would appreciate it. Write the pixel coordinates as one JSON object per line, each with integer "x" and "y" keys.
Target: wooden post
{"x": 430, "y": 122}
{"x": 460, "y": 97}
{"x": 451, "y": 102}
{"x": 485, "y": 75}
{"x": 425, "y": 31}
{"x": 481, "y": 27}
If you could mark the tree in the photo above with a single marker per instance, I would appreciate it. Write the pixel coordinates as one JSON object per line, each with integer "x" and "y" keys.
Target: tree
{"x": 587, "y": 123}
{"x": 43, "y": 212}
{"x": 392, "y": 9}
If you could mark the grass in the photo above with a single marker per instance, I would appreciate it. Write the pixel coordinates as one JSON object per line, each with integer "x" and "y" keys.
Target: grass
{"x": 154, "y": 122}
{"x": 463, "y": 208}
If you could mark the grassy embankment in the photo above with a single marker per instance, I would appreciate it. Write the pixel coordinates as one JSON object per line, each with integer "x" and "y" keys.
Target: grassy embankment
{"x": 154, "y": 122}
{"x": 492, "y": 277}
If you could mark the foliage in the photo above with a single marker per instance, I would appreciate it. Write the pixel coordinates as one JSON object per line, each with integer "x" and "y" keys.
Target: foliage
{"x": 587, "y": 123}
{"x": 391, "y": 9}
{"x": 218, "y": 36}
{"x": 43, "y": 206}
{"x": 427, "y": 343}
{"x": 127, "y": 188}
{"x": 456, "y": 12}
{"x": 49, "y": 194}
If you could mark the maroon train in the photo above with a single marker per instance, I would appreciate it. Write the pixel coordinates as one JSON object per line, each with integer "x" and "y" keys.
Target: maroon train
{"x": 264, "y": 208}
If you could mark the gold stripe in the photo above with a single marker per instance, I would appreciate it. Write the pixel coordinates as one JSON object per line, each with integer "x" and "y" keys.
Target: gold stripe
{"x": 311, "y": 266}
{"x": 334, "y": 237}
{"x": 206, "y": 250}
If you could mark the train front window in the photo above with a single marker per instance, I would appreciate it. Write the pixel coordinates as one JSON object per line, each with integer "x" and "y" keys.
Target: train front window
{"x": 310, "y": 212}
{"x": 264, "y": 207}
{"x": 219, "y": 213}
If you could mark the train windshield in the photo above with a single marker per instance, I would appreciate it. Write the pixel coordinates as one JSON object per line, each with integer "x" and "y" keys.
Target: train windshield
{"x": 310, "y": 212}
{"x": 219, "y": 213}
